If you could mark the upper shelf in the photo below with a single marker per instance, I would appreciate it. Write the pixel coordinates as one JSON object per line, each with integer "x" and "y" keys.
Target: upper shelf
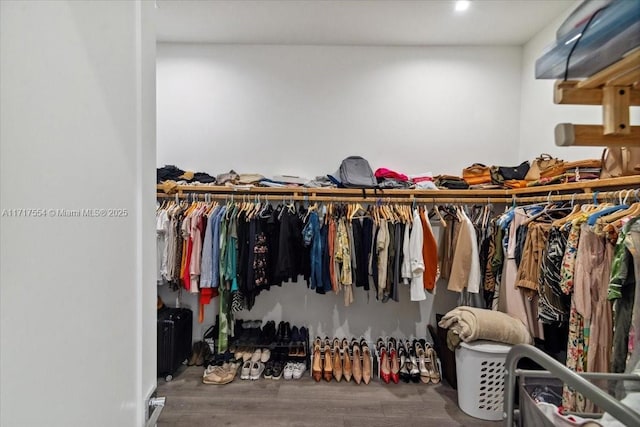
{"x": 616, "y": 88}
{"x": 495, "y": 196}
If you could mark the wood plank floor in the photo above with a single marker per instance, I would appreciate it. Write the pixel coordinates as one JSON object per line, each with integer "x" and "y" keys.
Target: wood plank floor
{"x": 307, "y": 403}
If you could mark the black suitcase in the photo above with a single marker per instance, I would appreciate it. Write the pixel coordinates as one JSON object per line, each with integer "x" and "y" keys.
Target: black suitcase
{"x": 174, "y": 339}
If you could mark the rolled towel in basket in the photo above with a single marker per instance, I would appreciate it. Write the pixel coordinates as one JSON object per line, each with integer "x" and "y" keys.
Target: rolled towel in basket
{"x": 472, "y": 324}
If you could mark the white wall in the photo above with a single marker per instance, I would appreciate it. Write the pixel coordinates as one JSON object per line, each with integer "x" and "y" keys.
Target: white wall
{"x": 539, "y": 114}
{"x": 301, "y": 109}
{"x": 78, "y": 293}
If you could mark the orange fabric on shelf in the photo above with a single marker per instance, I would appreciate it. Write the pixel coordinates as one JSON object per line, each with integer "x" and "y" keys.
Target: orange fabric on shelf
{"x": 429, "y": 253}
{"x": 515, "y": 183}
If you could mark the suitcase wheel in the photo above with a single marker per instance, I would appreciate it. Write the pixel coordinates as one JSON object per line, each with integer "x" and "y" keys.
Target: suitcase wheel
{"x": 168, "y": 378}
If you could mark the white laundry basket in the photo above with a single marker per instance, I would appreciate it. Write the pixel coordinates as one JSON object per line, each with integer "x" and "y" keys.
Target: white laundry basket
{"x": 480, "y": 372}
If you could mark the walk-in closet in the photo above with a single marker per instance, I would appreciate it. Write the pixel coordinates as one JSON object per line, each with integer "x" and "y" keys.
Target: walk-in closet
{"x": 309, "y": 212}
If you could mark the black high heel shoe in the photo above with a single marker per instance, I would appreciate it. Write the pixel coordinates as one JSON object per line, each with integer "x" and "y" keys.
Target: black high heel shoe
{"x": 392, "y": 344}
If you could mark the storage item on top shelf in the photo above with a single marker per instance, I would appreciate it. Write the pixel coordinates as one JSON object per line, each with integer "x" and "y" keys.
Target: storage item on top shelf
{"x": 572, "y": 171}
{"x": 620, "y": 161}
{"x": 354, "y": 172}
{"x": 451, "y": 182}
{"x": 476, "y": 174}
{"x": 480, "y": 372}
{"x": 542, "y": 162}
{"x": 229, "y": 177}
{"x": 423, "y": 181}
{"x": 382, "y": 173}
{"x": 391, "y": 179}
{"x": 500, "y": 174}
{"x": 515, "y": 183}
{"x": 249, "y": 178}
{"x": 602, "y": 37}
{"x": 173, "y": 173}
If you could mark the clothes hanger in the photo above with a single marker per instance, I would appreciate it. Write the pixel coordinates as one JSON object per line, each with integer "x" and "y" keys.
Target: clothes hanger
{"x": 575, "y": 208}
{"x": 257, "y": 208}
{"x": 436, "y": 209}
{"x": 404, "y": 214}
{"x": 309, "y": 210}
{"x": 548, "y": 208}
{"x": 618, "y": 215}
{"x": 577, "y": 214}
{"x": 610, "y": 210}
{"x": 392, "y": 215}
{"x": 376, "y": 212}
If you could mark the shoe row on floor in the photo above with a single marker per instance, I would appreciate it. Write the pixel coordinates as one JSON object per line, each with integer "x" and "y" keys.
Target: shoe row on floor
{"x": 255, "y": 363}
{"x": 253, "y": 332}
{"x": 261, "y": 364}
{"x": 339, "y": 359}
{"x": 407, "y": 360}
{"x": 226, "y": 372}
{"x": 276, "y": 369}
{"x": 293, "y": 339}
{"x": 221, "y": 374}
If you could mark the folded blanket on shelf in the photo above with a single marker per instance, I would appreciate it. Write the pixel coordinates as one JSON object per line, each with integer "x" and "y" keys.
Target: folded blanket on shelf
{"x": 471, "y": 324}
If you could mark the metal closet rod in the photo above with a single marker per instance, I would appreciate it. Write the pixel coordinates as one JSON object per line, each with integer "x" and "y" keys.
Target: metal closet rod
{"x": 631, "y": 195}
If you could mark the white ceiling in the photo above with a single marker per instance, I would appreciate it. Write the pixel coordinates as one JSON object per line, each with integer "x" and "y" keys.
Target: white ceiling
{"x": 355, "y": 22}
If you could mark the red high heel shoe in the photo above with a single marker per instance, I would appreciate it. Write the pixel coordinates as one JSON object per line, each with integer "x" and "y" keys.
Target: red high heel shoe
{"x": 395, "y": 367}
{"x": 385, "y": 370}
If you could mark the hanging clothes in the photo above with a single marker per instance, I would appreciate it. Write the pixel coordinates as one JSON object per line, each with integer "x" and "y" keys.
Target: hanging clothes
{"x": 429, "y": 254}
{"x": 465, "y": 268}
{"x": 590, "y": 325}
{"x": 416, "y": 261}
{"x": 513, "y": 300}
{"x": 162, "y": 242}
{"x": 623, "y": 291}
{"x": 382, "y": 248}
{"x": 343, "y": 258}
{"x": 449, "y": 238}
{"x": 312, "y": 237}
{"x": 397, "y": 260}
{"x": 532, "y": 256}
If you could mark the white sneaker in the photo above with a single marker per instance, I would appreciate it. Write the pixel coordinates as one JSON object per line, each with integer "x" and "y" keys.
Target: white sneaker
{"x": 256, "y": 370}
{"x": 298, "y": 370}
{"x": 246, "y": 370}
{"x": 266, "y": 355}
{"x": 288, "y": 371}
